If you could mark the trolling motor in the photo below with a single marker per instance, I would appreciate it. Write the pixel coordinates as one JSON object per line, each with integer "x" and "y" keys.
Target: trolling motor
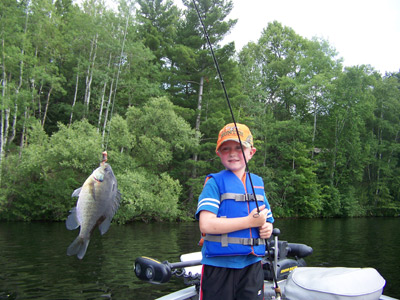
{"x": 287, "y": 257}
{"x": 154, "y": 271}
{"x": 281, "y": 251}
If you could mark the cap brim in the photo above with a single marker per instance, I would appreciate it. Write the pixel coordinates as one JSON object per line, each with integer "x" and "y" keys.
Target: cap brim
{"x": 246, "y": 144}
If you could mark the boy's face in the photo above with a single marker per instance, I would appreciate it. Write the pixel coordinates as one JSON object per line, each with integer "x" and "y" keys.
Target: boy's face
{"x": 231, "y": 155}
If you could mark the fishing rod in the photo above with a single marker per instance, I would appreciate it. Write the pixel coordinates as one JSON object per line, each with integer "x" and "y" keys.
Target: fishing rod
{"x": 221, "y": 80}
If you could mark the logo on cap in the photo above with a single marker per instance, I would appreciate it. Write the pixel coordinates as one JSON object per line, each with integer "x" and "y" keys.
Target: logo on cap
{"x": 229, "y": 133}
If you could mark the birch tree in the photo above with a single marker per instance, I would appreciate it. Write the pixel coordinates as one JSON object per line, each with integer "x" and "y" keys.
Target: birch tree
{"x": 382, "y": 170}
{"x": 12, "y": 34}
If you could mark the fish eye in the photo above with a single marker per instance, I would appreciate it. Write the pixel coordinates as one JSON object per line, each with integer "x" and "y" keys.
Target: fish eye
{"x": 99, "y": 176}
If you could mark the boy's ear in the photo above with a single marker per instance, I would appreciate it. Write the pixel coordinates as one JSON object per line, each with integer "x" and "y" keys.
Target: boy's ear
{"x": 253, "y": 151}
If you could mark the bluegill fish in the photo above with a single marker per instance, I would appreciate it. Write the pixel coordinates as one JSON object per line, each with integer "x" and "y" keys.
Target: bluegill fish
{"x": 98, "y": 202}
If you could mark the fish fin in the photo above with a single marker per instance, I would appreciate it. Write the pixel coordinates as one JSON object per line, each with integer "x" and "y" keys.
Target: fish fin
{"x": 119, "y": 195}
{"x": 72, "y": 220}
{"x": 116, "y": 203}
{"x": 78, "y": 247}
{"x": 104, "y": 226}
{"x": 76, "y": 192}
{"x": 113, "y": 205}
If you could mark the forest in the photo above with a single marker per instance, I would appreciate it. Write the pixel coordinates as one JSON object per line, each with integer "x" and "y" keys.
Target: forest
{"x": 139, "y": 81}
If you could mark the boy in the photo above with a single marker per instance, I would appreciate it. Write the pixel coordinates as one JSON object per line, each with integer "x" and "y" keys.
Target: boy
{"x": 233, "y": 231}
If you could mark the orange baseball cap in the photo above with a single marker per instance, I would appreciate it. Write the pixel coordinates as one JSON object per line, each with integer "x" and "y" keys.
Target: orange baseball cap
{"x": 229, "y": 133}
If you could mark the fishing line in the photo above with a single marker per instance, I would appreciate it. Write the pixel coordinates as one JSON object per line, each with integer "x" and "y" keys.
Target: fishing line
{"x": 221, "y": 80}
{"x": 108, "y": 125}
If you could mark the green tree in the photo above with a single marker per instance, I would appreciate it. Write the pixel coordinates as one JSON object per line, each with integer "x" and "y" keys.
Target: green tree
{"x": 147, "y": 196}
{"x": 162, "y": 139}
{"x": 345, "y": 147}
{"x": 55, "y": 166}
{"x": 23, "y": 185}
{"x": 296, "y": 191}
{"x": 194, "y": 84}
{"x": 382, "y": 171}
{"x": 13, "y": 26}
{"x": 78, "y": 80}
{"x": 157, "y": 22}
{"x": 279, "y": 52}
{"x": 159, "y": 134}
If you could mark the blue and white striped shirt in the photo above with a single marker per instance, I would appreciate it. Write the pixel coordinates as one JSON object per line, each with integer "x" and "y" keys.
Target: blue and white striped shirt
{"x": 209, "y": 200}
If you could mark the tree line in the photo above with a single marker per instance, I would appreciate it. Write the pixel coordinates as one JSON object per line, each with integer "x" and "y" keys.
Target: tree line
{"x": 140, "y": 83}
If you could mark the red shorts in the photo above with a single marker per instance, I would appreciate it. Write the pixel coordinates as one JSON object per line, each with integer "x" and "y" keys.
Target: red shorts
{"x": 229, "y": 284}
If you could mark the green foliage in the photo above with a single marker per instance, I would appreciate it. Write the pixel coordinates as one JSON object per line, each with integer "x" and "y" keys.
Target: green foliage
{"x": 331, "y": 201}
{"x": 147, "y": 197}
{"x": 77, "y": 147}
{"x": 296, "y": 181}
{"x": 81, "y": 80}
{"x": 40, "y": 183}
{"x": 119, "y": 138}
{"x": 159, "y": 133}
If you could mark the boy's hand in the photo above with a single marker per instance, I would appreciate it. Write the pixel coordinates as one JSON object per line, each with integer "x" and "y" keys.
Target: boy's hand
{"x": 212, "y": 224}
{"x": 266, "y": 230}
{"x": 258, "y": 219}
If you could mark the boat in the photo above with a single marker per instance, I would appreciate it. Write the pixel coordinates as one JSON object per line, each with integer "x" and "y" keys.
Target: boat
{"x": 286, "y": 276}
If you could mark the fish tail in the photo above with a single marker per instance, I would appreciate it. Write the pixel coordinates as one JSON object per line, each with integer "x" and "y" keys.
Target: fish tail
{"x": 78, "y": 247}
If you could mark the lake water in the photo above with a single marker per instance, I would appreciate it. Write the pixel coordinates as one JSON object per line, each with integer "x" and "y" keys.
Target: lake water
{"x": 34, "y": 264}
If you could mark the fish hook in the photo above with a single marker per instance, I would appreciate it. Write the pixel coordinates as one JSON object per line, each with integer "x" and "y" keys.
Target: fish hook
{"x": 104, "y": 157}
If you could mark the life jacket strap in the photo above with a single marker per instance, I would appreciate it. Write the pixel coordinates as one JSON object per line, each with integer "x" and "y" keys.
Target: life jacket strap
{"x": 224, "y": 239}
{"x": 241, "y": 197}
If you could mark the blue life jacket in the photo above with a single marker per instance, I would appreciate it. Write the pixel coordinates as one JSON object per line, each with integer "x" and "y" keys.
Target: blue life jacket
{"x": 235, "y": 203}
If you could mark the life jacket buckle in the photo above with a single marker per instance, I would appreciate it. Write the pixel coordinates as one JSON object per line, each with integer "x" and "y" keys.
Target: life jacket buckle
{"x": 256, "y": 242}
{"x": 249, "y": 197}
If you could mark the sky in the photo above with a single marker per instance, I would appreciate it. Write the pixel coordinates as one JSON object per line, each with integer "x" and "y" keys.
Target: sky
{"x": 362, "y": 31}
